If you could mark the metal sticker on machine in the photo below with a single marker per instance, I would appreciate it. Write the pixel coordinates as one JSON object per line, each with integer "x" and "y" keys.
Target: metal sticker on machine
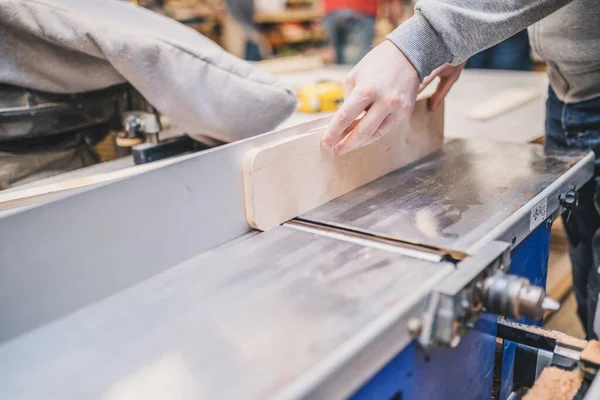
{"x": 538, "y": 214}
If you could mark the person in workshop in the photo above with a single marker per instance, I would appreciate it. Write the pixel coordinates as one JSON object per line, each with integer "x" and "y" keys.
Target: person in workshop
{"x": 256, "y": 45}
{"x": 438, "y": 39}
{"x": 350, "y": 25}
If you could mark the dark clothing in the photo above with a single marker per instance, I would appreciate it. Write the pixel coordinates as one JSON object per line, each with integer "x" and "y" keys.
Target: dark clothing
{"x": 511, "y": 54}
{"x": 21, "y": 168}
{"x": 577, "y": 125}
{"x": 252, "y": 52}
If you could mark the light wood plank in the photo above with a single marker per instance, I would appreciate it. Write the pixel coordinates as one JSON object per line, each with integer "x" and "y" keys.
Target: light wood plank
{"x": 285, "y": 65}
{"x": 502, "y": 102}
{"x": 285, "y": 179}
{"x": 23, "y": 197}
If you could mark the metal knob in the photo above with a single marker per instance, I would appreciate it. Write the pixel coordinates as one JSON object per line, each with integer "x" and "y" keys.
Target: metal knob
{"x": 132, "y": 124}
{"x": 569, "y": 200}
{"x": 515, "y": 297}
{"x": 140, "y": 123}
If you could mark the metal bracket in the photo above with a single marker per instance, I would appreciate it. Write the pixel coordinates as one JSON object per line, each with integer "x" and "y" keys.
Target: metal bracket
{"x": 456, "y": 304}
{"x": 138, "y": 123}
{"x": 569, "y": 201}
{"x": 479, "y": 285}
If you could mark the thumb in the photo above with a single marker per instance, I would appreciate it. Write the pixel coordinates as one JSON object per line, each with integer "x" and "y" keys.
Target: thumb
{"x": 426, "y": 82}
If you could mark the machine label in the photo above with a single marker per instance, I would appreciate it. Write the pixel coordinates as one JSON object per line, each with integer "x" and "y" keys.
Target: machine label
{"x": 538, "y": 214}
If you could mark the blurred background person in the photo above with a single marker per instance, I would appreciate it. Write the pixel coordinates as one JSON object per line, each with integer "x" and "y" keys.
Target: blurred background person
{"x": 350, "y": 25}
{"x": 256, "y": 45}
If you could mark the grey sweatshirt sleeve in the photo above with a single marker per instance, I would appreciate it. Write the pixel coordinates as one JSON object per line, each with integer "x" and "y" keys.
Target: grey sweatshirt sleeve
{"x": 450, "y": 31}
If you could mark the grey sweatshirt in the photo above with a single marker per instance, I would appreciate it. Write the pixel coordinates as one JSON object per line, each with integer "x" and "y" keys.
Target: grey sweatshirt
{"x": 567, "y": 36}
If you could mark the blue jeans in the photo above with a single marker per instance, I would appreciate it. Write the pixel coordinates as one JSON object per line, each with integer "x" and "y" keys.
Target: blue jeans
{"x": 351, "y": 34}
{"x": 252, "y": 51}
{"x": 511, "y": 54}
{"x": 578, "y": 126}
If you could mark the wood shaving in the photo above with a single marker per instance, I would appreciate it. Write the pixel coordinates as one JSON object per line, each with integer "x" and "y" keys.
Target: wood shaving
{"x": 555, "y": 384}
{"x": 591, "y": 352}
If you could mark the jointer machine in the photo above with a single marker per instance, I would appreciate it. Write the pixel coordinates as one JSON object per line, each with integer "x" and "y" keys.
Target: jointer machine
{"x": 154, "y": 286}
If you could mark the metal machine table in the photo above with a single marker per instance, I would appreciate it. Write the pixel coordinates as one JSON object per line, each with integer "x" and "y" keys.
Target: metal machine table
{"x": 217, "y": 311}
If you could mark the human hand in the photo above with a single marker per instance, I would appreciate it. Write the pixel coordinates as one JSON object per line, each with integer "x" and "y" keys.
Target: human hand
{"x": 385, "y": 84}
{"x": 448, "y": 74}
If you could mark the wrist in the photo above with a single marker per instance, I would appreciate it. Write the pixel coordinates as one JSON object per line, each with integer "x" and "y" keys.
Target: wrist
{"x": 406, "y": 66}
{"x": 421, "y": 45}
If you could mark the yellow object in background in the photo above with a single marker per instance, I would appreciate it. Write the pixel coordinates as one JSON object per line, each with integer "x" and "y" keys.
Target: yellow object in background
{"x": 324, "y": 96}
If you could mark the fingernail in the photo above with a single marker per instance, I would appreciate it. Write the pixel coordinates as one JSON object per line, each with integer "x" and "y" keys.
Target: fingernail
{"x": 326, "y": 142}
{"x": 341, "y": 149}
{"x": 338, "y": 149}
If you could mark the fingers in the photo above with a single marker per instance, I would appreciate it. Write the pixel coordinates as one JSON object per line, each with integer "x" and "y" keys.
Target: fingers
{"x": 349, "y": 85}
{"x": 427, "y": 81}
{"x": 383, "y": 83}
{"x": 439, "y": 71}
{"x": 383, "y": 129}
{"x": 368, "y": 126}
{"x": 348, "y": 111}
{"x": 448, "y": 76}
{"x": 441, "y": 92}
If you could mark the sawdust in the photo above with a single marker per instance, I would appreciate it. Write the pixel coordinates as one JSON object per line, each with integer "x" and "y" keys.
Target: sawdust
{"x": 555, "y": 384}
{"x": 591, "y": 352}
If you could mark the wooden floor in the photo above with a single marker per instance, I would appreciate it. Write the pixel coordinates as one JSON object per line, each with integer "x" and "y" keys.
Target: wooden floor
{"x": 560, "y": 281}
{"x": 565, "y": 320}
{"x": 559, "y": 285}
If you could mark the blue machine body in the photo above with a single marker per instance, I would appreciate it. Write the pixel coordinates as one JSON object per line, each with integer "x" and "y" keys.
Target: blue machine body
{"x": 529, "y": 260}
{"x": 467, "y": 371}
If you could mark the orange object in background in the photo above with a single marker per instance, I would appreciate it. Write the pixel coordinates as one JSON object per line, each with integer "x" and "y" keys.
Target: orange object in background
{"x": 368, "y": 7}
{"x": 294, "y": 31}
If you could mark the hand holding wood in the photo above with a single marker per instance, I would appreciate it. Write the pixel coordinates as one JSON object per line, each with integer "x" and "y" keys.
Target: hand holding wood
{"x": 385, "y": 85}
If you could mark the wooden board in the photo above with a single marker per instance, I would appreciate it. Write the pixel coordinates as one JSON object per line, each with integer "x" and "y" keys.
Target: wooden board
{"x": 285, "y": 179}
{"x": 502, "y": 102}
{"x": 285, "y": 65}
{"x": 19, "y": 198}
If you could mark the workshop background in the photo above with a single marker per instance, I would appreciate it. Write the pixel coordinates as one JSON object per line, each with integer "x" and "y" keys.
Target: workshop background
{"x": 298, "y": 46}
{"x": 290, "y": 40}
{"x": 309, "y": 46}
